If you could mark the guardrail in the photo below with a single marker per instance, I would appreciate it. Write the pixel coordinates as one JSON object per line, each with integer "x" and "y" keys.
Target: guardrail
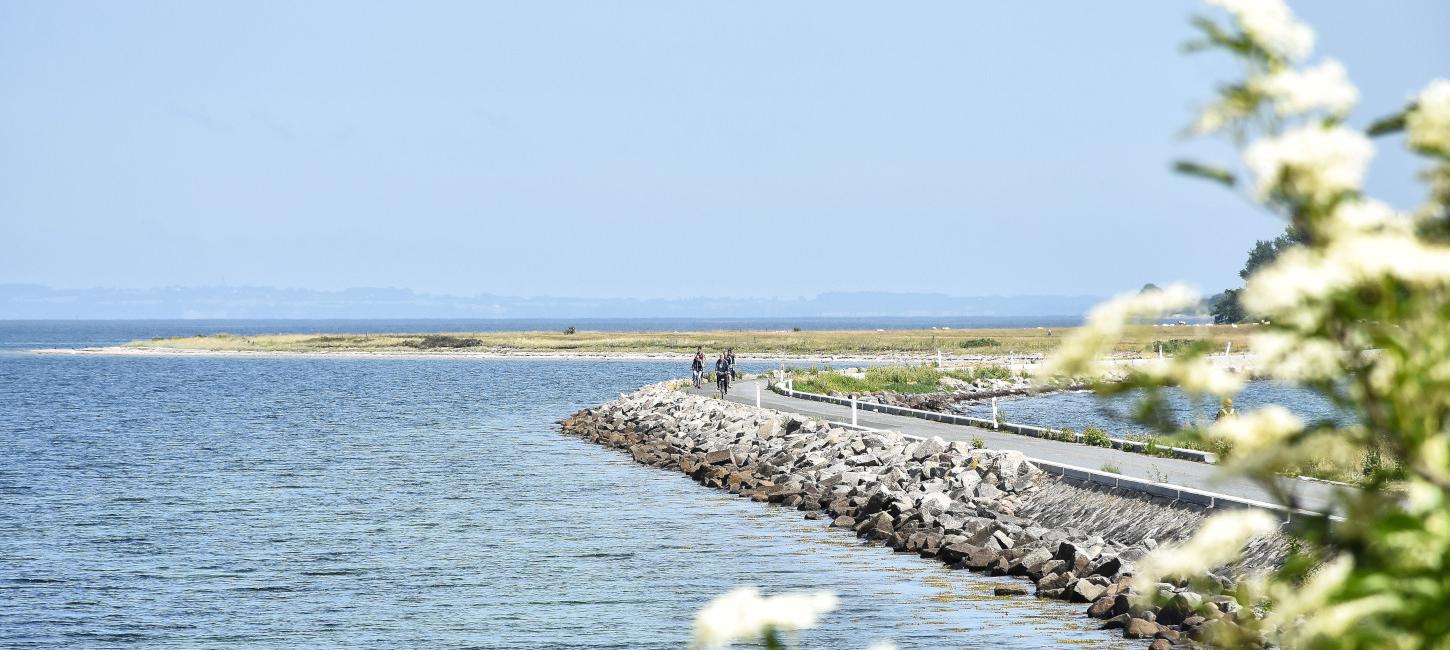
{"x": 1011, "y": 427}
{"x": 1202, "y": 498}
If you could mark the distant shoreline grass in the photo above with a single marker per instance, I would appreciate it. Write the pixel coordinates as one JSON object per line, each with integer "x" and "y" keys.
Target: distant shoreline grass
{"x": 990, "y": 342}
{"x": 896, "y": 379}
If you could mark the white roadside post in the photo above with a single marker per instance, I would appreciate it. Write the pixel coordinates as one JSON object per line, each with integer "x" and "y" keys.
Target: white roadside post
{"x": 996, "y": 424}
{"x": 757, "y": 395}
{"x": 1160, "y": 351}
{"x": 853, "y": 412}
{"x": 939, "y": 363}
{"x": 1228, "y": 347}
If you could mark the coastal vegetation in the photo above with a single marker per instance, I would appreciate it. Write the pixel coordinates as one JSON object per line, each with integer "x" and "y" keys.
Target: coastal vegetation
{"x": 1006, "y": 342}
{"x": 1357, "y": 312}
{"x": 896, "y": 379}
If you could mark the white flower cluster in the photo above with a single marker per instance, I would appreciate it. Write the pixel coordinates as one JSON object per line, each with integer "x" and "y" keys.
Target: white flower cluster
{"x": 1323, "y": 87}
{"x": 1427, "y": 127}
{"x": 1294, "y": 358}
{"x": 1080, "y": 350}
{"x": 1294, "y": 288}
{"x": 743, "y": 615}
{"x": 1217, "y": 542}
{"x": 1272, "y": 26}
{"x": 1255, "y": 430}
{"x": 1194, "y": 375}
{"x": 1366, "y": 216}
{"x": 1316, "y": 163}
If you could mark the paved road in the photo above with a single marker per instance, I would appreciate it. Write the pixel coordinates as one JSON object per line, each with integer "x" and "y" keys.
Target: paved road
{"x": 1310, "y": 495}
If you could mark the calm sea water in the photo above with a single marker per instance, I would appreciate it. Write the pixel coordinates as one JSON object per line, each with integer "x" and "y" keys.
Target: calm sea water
{"x": 187, "y": 502}
{"x": 1081, "y": 409}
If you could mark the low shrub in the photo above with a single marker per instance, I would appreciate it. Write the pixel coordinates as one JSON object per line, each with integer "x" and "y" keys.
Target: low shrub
{"x": 1176, "y": 347}
{"x": 978, "y": 343}
{"x": 1096, "y": 437}
{"x": 978, "y": 442}
{"x": 443, "y": 341}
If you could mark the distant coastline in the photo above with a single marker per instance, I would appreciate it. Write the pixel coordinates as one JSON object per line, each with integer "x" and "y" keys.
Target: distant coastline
{"x": 831, "y": 346}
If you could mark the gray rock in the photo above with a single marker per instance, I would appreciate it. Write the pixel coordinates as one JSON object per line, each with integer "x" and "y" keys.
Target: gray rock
{"x": 1084, "y": 591}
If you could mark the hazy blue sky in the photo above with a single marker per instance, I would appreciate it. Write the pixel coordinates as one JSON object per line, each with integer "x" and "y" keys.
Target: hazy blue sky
{"x": 619, "y": 149}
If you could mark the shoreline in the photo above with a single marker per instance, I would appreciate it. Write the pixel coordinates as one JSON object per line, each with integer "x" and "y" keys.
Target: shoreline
{"x": 1239, "y": 361}
{"x": 540, "y": 355}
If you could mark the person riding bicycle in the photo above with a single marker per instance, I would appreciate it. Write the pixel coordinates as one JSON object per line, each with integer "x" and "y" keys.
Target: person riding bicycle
{"x": 697, "y": 367}
{"x": 730, "y": 362}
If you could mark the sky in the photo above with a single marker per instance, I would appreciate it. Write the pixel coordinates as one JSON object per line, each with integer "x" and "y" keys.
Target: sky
{"x": 642, "y": 149}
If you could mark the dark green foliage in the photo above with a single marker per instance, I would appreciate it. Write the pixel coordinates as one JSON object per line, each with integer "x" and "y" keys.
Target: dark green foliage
{"x": 978, "y": 343}
{"x": 433, "y": 341}
{"x": 1215, "y": 174}
{"x": 1226, "y": 308}
{"x": 1265, "y": 252}
{"x": 1387, "y": 125}
{"x": 1096, "y": 437}
{"x": 1175, "y": 347}
{"x": 570, "y": 330}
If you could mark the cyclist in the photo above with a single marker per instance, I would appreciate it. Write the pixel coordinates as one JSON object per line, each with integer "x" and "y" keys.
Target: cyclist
{"x": 722, "y": 375}
{"x": 730, "y": 362}
{"x": 697, "y": 366}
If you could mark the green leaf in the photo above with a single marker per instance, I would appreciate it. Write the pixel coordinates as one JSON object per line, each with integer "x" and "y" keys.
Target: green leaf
{"x": 1216, "y": 174}
{"x": 1387, "y": 125}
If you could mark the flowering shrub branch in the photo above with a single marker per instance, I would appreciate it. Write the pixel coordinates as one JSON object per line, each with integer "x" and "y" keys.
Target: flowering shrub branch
{"x": 1359, "y": 313}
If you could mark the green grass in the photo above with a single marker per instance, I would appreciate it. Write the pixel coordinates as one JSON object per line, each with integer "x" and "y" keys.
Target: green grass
{"x": 896, "y": 379}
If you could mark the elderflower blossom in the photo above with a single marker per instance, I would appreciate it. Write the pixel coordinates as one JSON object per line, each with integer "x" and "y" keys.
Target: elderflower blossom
{"x": 1256, "y": 429}
{"x": 1333, "y": 621}
{"x": 1217, "y": 542}
{"x": 743, "y": 615}
{"x": 1195, "y": 375}
{"x": 1295, "y": 286}
{"x": 1367, "y": 215}
{"x": 1290, "y": 603}
{"x": 1323, "y": 87}
{"x": 1081, "y": 349}
{"x": 1290, "y": 289}
{"x": 1427, "y": 127}
{"x": 1313, "y": 162}
{"x": 1272, "y": 26}
{"x": 1289, "y": 357}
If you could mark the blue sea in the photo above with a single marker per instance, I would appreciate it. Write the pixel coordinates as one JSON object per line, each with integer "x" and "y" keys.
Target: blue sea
{"x": 327, "y": 502}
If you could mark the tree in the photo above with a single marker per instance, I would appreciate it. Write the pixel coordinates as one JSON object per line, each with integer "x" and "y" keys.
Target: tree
{"x": 1265, "y": 252}
{"x": 1225, "y": 307}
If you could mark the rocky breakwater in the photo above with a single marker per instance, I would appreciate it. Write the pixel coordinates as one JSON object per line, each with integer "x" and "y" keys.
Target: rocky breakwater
{"x": 976, "y": 509}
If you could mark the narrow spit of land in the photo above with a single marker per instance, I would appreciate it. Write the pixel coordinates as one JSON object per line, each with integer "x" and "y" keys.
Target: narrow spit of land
{"x": 1310, "y": 495}
{"x": 759, "y": 344}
